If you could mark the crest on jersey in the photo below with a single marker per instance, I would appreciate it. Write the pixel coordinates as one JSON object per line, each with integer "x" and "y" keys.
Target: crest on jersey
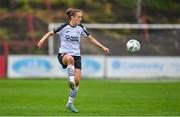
{"x": 67, "y": 37}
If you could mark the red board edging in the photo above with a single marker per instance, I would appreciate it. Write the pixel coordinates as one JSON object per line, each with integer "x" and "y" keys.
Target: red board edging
{"x": 2, "y": 67}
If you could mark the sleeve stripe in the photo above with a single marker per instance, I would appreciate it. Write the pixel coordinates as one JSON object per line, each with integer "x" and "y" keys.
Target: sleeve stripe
{"x": 86, "y": 32}
{"x": 59, "y": 28}
{"x": 84, "y": 29}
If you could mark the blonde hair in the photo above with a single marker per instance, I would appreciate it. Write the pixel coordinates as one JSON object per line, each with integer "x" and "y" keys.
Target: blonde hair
{"x": 71, "y": 12}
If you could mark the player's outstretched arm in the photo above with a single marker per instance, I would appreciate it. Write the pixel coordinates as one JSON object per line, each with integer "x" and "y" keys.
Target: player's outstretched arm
{"x": 94, "y": 41}
{"x": 42, "y": 41}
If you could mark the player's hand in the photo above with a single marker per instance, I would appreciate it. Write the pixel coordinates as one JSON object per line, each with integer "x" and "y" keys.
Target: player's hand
{"x": 40, "y": 44}
{"x": 106, "y": 50}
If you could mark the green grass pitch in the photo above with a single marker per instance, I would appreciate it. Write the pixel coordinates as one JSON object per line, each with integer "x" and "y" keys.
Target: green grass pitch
{"x": 95, "y": 98}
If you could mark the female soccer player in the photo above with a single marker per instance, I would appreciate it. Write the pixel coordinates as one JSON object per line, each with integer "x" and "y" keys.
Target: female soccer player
{"x": 69, "y": 51}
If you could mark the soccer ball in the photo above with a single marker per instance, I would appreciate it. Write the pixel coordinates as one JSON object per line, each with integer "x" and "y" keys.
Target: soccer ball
{"x": 133, "y": 46}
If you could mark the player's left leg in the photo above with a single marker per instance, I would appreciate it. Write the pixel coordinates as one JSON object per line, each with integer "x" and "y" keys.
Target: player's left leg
{"x": 73, "y": 92}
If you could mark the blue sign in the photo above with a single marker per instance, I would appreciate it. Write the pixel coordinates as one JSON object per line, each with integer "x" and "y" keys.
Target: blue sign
{"x": 126, "y": 65}
{"x": 31, "y": 66}
{"x": 90, "y": 66}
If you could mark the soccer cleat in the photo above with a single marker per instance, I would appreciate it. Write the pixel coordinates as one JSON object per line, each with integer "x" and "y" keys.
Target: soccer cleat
{"x": 71, "y": 85}
{"x": 72, "y": 108}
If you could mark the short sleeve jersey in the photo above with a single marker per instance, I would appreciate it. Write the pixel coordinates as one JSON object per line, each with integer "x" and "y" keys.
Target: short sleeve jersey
{"x": 70, "y": 38}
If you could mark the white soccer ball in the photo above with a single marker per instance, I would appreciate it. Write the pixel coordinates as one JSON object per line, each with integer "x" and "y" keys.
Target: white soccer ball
{"x": 133, "y": 46}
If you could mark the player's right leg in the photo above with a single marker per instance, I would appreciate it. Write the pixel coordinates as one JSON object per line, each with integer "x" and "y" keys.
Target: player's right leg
{"x": 69, "y": 61}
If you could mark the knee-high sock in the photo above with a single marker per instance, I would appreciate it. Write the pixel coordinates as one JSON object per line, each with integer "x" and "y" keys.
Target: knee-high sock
{"x": 71, "y": 72}
{"x": 72, "y": 95}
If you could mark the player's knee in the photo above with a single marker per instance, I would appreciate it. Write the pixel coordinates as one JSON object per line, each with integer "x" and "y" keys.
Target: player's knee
{"x": 71, "y": 60}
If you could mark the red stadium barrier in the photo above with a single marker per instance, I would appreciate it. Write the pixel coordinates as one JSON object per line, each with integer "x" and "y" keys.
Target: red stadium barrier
{"x": 2, "y": 67}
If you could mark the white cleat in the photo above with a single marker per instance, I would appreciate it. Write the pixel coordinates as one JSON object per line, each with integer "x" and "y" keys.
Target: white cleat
{"x": 72, "y": 108}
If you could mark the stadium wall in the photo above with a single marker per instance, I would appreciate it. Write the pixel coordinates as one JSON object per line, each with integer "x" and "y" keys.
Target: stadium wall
{"x": 95, "y": 67}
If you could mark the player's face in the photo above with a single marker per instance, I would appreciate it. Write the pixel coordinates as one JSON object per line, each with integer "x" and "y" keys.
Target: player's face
{"x": 77, "y": 18}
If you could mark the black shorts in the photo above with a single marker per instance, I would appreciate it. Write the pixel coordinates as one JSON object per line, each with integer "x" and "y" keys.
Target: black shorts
{"x": 77, "y": 61}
